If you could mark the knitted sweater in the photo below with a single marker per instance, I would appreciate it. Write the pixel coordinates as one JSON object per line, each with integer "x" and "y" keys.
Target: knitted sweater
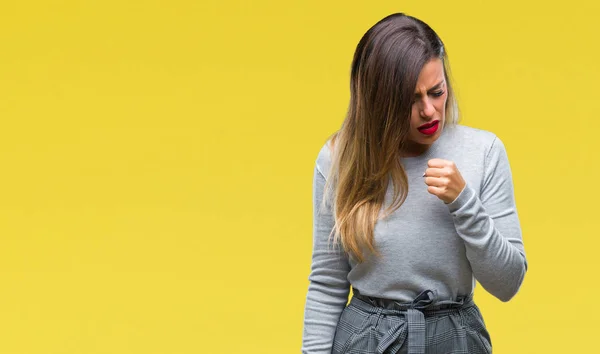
{"x": 425, "y": 244}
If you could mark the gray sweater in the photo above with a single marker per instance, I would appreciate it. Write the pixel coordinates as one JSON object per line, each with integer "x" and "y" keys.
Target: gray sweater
{"x": 425, "y": 244}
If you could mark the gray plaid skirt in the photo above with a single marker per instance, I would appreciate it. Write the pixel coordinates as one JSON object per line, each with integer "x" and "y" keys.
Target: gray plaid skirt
{"x": 372, "y": 325}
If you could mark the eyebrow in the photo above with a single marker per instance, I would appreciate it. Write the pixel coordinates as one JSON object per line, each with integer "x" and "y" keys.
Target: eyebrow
{"x": 434, "y": 88}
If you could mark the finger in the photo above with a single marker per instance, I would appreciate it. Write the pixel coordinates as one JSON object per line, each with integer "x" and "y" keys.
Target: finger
{"x": 437, "y": 163}
{"x": 435, "y": 172}
{"x": 437, "y": 191}
{"x": 436, "y": 181}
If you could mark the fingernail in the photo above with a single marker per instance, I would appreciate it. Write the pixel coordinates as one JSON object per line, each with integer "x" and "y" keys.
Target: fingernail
{"x": 424, "y": 174}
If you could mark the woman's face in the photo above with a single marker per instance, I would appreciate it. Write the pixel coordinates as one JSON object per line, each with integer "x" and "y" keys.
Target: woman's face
{"x": 428, "y": 109}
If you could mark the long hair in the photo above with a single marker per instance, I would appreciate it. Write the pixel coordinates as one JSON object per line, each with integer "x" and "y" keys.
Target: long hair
{"x": 366, "y": 149}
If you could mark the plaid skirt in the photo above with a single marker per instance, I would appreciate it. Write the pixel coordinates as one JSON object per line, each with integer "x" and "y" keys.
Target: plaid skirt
{"x": 424, "y": 326}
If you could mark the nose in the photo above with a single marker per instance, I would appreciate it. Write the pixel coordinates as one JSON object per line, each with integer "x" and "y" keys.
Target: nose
{"x": 427, "y": 109}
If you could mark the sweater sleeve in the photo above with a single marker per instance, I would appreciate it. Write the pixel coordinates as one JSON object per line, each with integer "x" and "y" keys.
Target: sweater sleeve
{"x": 329, "y": 288}
{"x": 490, "y": 227}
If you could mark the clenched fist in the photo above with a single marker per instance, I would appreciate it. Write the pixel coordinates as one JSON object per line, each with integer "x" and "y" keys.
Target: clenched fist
{"x": 443, "y": 180}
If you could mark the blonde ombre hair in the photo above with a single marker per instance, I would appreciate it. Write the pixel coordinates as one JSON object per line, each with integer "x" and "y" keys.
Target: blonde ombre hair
{"x": 365, "y": 155}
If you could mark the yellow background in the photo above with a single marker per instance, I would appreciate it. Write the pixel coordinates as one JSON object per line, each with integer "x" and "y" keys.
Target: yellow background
{"x": 156, "y": 165}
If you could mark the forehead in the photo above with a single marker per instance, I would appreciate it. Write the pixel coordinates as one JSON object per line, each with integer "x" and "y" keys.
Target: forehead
{"x": 431, "y": 75}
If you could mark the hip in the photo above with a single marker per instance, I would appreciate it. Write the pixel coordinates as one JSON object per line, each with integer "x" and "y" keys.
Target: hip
{"x": 370, "y": 325}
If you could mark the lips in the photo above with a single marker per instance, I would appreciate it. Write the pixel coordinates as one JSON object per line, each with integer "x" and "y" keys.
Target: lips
{"x": 429, "y": 128}
{"x": 428, "y": 125}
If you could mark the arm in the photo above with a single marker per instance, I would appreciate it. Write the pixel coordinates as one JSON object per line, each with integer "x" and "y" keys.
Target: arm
{"x": 329, "y": 288}
{"x": 490, "y": 227}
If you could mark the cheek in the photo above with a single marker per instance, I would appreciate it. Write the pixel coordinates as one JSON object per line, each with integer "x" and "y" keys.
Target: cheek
{"x": 415, "y": 117}
{"x": 441, "y": 106}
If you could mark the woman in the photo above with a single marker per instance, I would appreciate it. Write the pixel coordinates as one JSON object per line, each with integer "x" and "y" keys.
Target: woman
{"x": 410, "y": 209}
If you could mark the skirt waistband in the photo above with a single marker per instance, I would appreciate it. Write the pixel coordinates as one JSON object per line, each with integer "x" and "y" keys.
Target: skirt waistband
{"x": 426, "y": 302}
{"x": 414, "y": 313}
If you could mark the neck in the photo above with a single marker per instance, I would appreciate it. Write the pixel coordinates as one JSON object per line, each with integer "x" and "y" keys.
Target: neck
{"x": 413, "y": 149}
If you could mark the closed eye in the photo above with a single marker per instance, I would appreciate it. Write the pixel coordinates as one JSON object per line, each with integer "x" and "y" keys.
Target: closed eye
{"x": 436, "y": 91}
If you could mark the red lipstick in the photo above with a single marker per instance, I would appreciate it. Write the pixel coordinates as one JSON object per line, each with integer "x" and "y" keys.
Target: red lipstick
{"x": 429, "y": 128}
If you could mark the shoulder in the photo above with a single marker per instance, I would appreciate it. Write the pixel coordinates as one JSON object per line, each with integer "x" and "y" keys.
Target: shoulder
{"x": 483, "y": 146}
{"x": 324, "y": 158}
{"x": 472, "y": 135}
{"x": 471, "y": 138}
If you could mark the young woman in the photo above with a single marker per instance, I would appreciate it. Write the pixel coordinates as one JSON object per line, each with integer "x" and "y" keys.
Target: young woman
{"x": 410, "y": 208}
